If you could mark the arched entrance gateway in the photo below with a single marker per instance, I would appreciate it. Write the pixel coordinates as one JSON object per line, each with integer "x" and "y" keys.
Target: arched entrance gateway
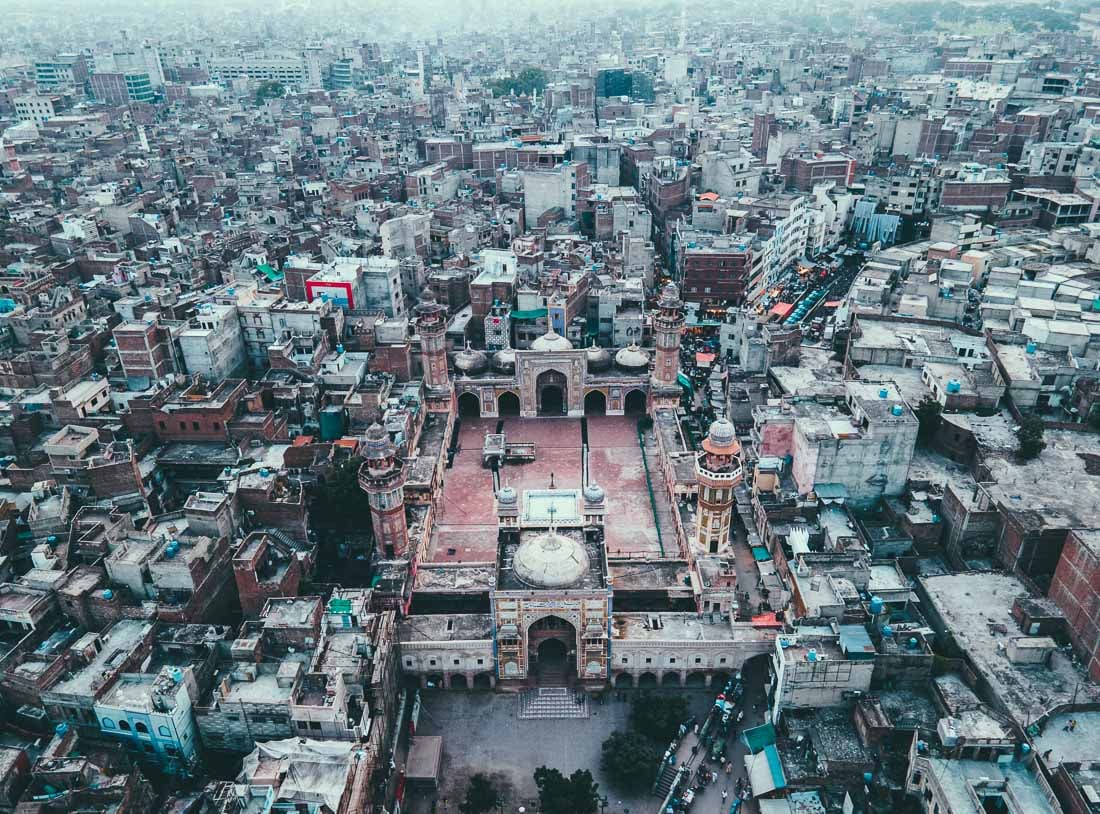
{"x": 595, "y": 403}
{"x": 552, "y": 392}
{"x": 508, "y": 405}
{"x": 552, "y": 650}
{"x": 469, "y": 405}
{"x": 635, "y": 403}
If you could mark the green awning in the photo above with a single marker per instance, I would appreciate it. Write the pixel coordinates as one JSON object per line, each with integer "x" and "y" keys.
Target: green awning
{"x": 272, "y": 274}
{"x": 760, "y": 553}
{"x": 534, "y": 313}
{"x": 759, "y": 737}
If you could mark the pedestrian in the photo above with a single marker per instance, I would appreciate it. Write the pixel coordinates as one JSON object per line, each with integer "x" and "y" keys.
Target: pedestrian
{"x": 1072, "y": 724}
{"x": 694, "y": 750}
{"x": 729, "y": 768}
{"x": 725, "y": 794}
{"x": 696, "y": 729}
{"x": 740, "y": 716}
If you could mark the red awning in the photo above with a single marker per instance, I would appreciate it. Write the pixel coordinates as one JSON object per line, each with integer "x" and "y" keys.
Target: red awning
{"x": 704, "y": 358}
{"x": 832, "y": 303}
{"x": 782, "y": 309}
{"x": 766, "y": 620}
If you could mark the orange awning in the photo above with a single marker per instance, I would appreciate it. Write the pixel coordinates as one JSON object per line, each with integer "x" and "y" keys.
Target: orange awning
{"x": 766, "y": 620}
{"x": 782, "y": 309}
{"x": 704, "y": 358}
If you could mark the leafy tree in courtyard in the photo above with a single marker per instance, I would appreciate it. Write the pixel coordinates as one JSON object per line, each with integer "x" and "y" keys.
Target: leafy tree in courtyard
{"x": 928, "y": 414}
{"x": 658, "y": 716}
{"x": 558, "y": 794}
{"x": 1029, "y": 439}
{"x": 481, "y": 796}
{"x": 525, "y": 82}
{"x": 630, "y": 760}
{"x": 269, "y": 90}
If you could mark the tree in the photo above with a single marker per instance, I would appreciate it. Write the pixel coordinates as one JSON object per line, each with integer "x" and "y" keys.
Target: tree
{"x": 577, "y": 794}
{"x": 658, "y": 716}
{"x": 481, "y": 796}
{"x": 526, "y": 81}
{"x": 1029, "y": 439}
{"x": 269, "y": 90}
{"x": 630, "y": 760}
{"x": 340, "y": 501}
{"x": 928, "y": 414}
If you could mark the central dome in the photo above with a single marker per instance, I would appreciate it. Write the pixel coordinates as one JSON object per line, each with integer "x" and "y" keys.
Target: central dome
{"x": 551, "y": 340}
{"x": 550, "y": 560}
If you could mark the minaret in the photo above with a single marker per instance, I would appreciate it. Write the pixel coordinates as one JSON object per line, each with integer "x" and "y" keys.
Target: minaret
{"x": 431, "y": 320}
{"x": 718, "y": 472}
{"x": 382, "y": 477}
{"x": 668, "y": 325}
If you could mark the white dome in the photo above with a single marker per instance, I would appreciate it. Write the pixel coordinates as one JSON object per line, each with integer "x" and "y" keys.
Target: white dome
{"x": 632, "y": 358}
{"x": 551, "y": 340}
{"x": 550, "y": 560}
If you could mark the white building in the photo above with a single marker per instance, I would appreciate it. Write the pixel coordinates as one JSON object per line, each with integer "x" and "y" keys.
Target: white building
{"x": 213, "y": 345}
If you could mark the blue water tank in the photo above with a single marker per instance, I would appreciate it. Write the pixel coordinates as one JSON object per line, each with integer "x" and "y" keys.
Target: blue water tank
{"x": 887, "y": 630}
{"x": 339, "y": 348}
{"x": 868, "y": 777}
{"x": 954, "y": 386}
{"x": 108, "y": 594}
{"x": 897, "y": 410}
{"x": 1030, "y": 347}
{"x": 877, "y": 605}
{"x": 52, "y": 539}
{"x": 883, "y": 393}
{"x": 1026, "y": 748}
{"x": 912, "y": 642}
{"x": 61, "y": 729}
{"x": 265, "y": 472}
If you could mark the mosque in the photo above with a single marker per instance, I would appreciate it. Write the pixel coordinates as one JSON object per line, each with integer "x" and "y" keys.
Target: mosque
{"x": 543, "y": 598}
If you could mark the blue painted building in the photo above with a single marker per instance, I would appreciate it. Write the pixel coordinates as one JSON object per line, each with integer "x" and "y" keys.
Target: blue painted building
{"x": 151, "y": 715}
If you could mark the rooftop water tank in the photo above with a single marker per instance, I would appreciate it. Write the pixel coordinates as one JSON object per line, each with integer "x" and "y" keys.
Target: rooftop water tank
{"x": 1030, "y": 347}
{"x": 108, "y": 594}
{"x": 265, "y": 472}
{"x": 883, "y": 393}
{"x": 897, "y": 410}
{"x": 61, "y": 729}
{"x": 811, "y": 655}
{"x": 339, "y": 348}
{"x": 954, "y": 386}
{"x": 877, "y": 605}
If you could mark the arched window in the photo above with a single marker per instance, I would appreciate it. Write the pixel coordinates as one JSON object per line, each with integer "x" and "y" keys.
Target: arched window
{"x": 107, "y": 723}
{"x": 142, "y": 728}
{"x": 124, "y": 725}
{"x": 164, "y": 731}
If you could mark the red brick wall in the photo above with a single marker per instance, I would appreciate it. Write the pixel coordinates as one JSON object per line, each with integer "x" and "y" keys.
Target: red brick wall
{"x": 1076, "y": 590}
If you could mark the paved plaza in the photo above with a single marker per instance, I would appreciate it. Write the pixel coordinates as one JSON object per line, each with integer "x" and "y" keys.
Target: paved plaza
{"x": 482, "y": 733}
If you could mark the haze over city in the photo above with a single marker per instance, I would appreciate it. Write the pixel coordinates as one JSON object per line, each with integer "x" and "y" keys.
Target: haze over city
{"x": 561, "y": 407}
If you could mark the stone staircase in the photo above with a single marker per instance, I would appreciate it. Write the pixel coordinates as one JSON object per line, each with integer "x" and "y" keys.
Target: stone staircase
{"x": 665, "y": 781}
{"x": 551, "y": 702}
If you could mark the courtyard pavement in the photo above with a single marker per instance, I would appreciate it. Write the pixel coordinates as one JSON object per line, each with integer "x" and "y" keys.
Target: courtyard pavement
{"x": 481, "y": 733}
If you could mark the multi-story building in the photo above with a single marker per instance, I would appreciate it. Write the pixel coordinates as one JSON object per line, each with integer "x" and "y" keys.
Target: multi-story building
{"x": 150, "y": 714}
{"x": 816, "y": 671}
{"x": 213, "y": 345}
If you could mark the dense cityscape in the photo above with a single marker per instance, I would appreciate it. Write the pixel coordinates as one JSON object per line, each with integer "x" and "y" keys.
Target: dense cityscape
{"x": 630, "y": 408}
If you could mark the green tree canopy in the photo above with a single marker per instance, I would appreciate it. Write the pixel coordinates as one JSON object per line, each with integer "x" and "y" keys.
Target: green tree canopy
{"x": 1029, "y": 439}
{"x": 339, "y": 501}
{"x": 658, "y": 716}
{"x": 526, "y": 81}
{"x": 481, "y": 796}
{"x": 558, "y": 794}
{"x": 929, "y": 415}
{"x": 269, "y": 90}
{"x": 630, "y": 760}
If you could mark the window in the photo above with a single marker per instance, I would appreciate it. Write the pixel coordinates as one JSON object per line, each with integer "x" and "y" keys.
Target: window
{"x": 142, "y": 728}
{"x": 148, "y": 747}
{"x": 164, "y": 731}
{"x": 172, "y": 750}
{"x": 722, "y": 660}
{"x": 698, "y": 660}
{"x": 163, "y": 425}
{"x": 124, "y": 726}
{"x": 431, "y": 662}
{"x": 672, "y": 660}
{"x": 456, "y": 662}
{"x": 195, "y": 426}
{"x": 107, "y": 723}
{"x": 314, "y": 724}
{"x": 183, "y": 425}
{"x": 626, "y": 660}
{"x": 481, "y": 661}
{"x": 303, "y": 724}
{"x": 648, "y": 660}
